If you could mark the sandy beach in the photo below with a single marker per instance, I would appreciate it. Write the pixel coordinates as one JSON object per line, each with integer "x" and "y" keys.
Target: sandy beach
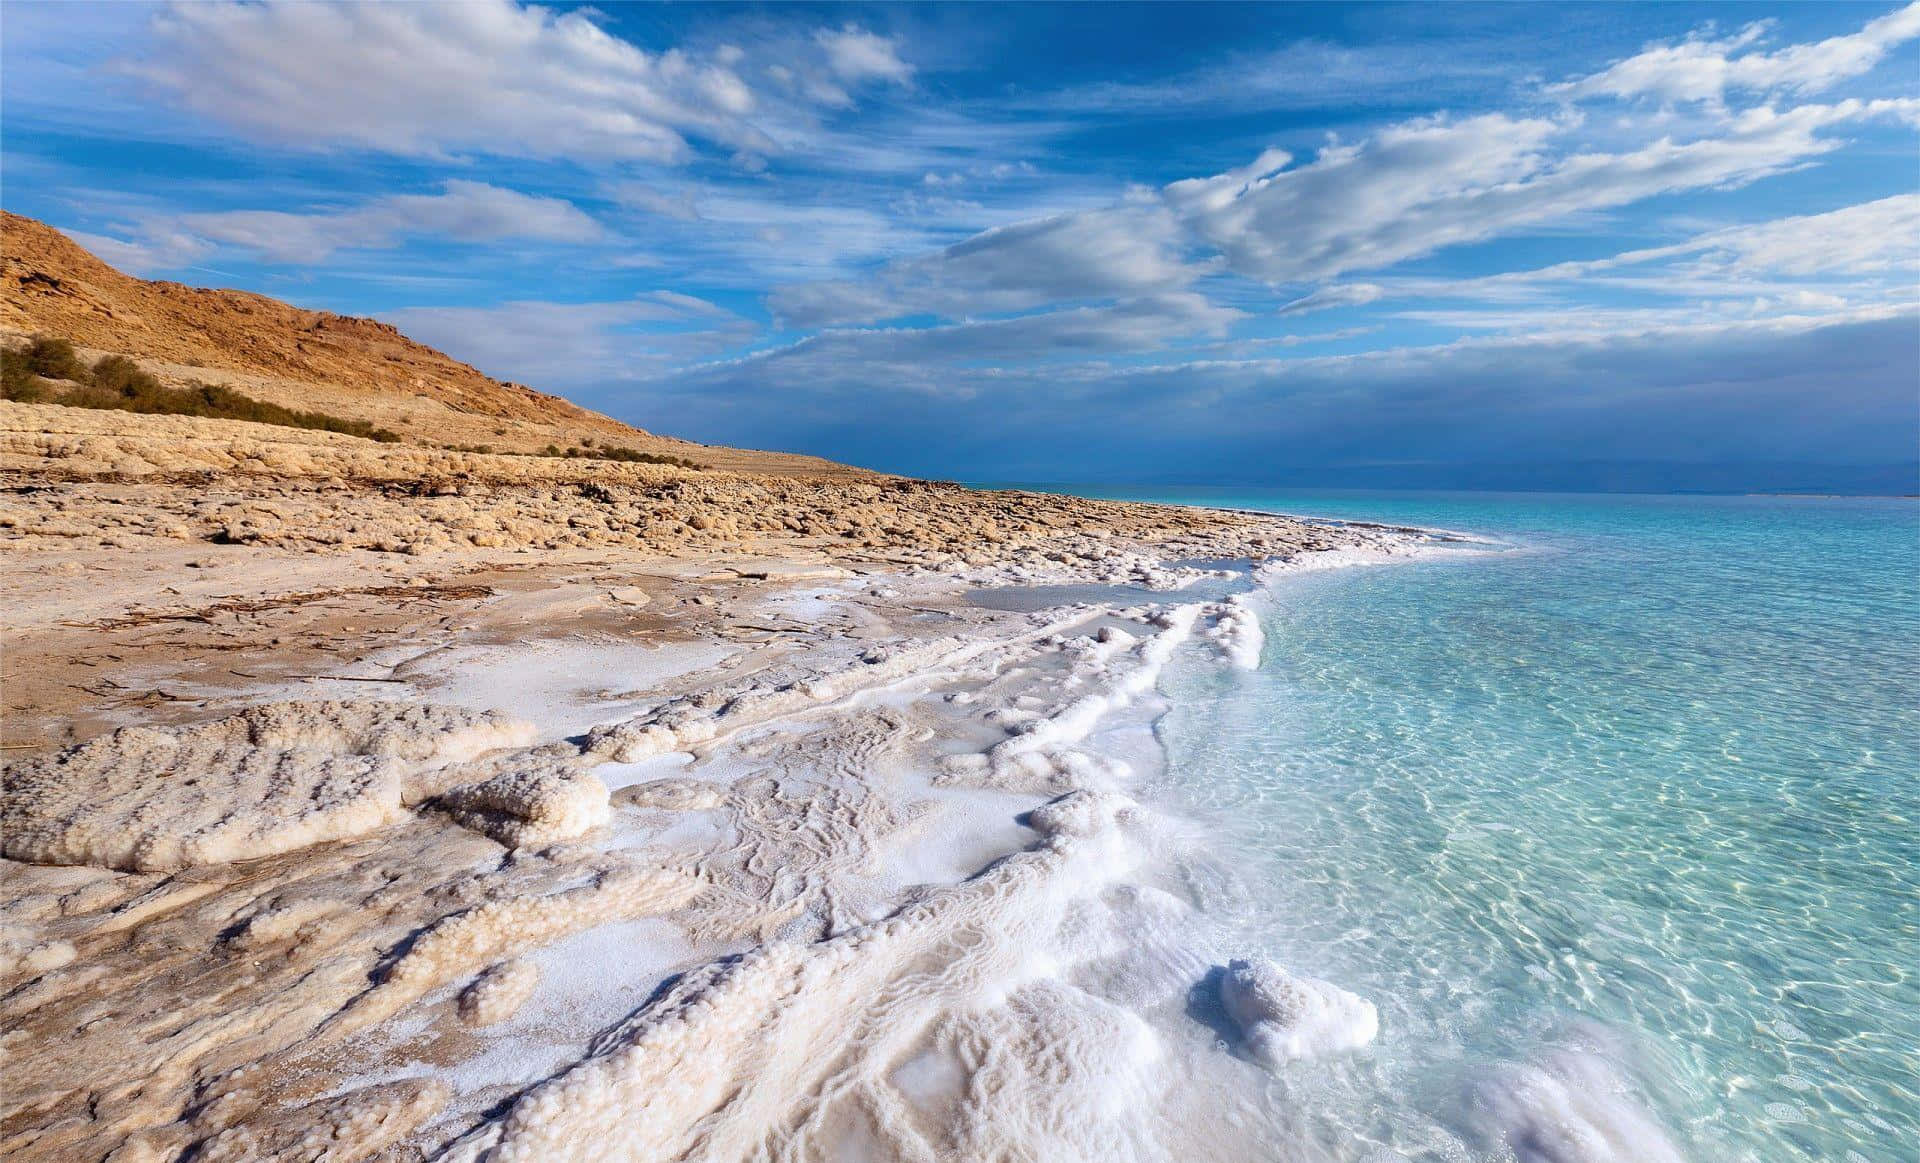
{"x": 592, "y": 811}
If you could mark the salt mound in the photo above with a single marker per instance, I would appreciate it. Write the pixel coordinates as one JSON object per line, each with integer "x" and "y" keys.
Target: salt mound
{"x": 527, "y": 807}
{"x": 1285, "y": 1017}
{"x": 268, "y": 780}
{"x": 498, "y": 994}
{"x": 1572, "y": 1106}
{"x": 1237, "y": 632}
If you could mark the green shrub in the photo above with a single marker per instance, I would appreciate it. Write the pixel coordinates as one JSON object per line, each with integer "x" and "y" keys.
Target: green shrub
{"x": 54, "y": 358}
{"x": 118, "y": 374}
{"x": 17, "y": 381}
{"x": 614, "y": 452}
{"x": 635, "y": 456}
{"x": 116, "y": 383}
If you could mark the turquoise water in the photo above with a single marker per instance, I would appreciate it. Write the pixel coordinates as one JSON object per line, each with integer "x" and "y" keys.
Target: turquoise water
{"x": 1633, "y": 805}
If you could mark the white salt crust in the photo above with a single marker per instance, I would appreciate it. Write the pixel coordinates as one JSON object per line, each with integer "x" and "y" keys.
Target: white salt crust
{"x": 498, "y": 993}
{"x": 268, "y": 780}
{"x": 1284, "y": 1017}
{"x": 532, "y": 805}
{"x": 867, "y": 1018}
{"x": 1237, "y": 632}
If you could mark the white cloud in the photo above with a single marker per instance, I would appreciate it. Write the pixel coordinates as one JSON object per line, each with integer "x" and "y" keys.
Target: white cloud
{"x": 1870, "y": 252}
{"x": 1703, "y": 69}
{"x": 465, "y": 211}
{"x": 565, "y": 344}
{"x": 477, "y": 76}
{"x": 640, "y": 196}
{"x": 943, "y": 360}
{"x": 753, "y": 235}
{"x": 161, "y": 250}
{"x": 1117, "y": 251}
{"x": 1424, "y": 185}
{"x": 1339, "y": 295}
{"x": 1871, "y": 238}
{"x": 856, "y": 56}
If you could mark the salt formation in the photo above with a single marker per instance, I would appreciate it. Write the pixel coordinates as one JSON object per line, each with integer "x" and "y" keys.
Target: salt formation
{"x": 1114, "y": 670}
{"x": 498, "y": 994}
{"x": 501, "y": 926}
{"x": 1284, "y": 1017}
{"x": 755, "y": 1057}
{"x": 1571, "y": 1106}
{"x": 355, "y": 1125}
{"x": 693, "y": 720}
{"x": 673, "y": 795}
{"x": 532, "y": 805}
{"x": 268, "y": 780}
{"x": 1236, "y": 631}
{"x": 21, "y": 955}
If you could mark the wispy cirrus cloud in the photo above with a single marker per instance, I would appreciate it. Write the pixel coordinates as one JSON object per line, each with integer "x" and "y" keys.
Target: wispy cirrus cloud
{"x": 464, "y": 211}
{"x": 566, "y": 344}
{"x": 1421, "y": 186}
{"x": 477, "y": 77}
{"x": 1705, "y": 68}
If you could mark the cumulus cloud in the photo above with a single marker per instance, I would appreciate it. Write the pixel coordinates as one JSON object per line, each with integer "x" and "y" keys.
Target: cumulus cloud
{"x": 465, "y": 211}
{"x": 1704, "y": 69}
{"x": 477, "y": 76}
{"x": 856, "y": 55}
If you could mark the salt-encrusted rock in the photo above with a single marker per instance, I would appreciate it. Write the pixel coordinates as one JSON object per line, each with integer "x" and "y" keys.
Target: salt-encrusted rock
{"x": 498, "y": 994}
{"x": 22, "y": 954}
{"x": 1237, "y": 632}
{"x": 268, "y": 780}
{"x": 1284, "y": 1017}
{"x": 530, "y": 806}
{"x": 674, "y": 795}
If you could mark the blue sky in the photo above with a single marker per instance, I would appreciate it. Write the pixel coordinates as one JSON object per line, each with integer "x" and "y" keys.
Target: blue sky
{"x": 1551, "y": 245}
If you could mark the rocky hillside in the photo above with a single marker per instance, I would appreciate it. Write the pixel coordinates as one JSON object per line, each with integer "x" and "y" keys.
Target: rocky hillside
{"x": 315, "y": 360}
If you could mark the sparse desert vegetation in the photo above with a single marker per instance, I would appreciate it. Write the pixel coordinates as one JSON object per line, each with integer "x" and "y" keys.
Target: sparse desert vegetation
{"x": 49, "y": 371}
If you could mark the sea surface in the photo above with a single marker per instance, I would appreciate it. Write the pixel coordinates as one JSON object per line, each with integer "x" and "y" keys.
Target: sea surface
{"x": 1618, "y": 823}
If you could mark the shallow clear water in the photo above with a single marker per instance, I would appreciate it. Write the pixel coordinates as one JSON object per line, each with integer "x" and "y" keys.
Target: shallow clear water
{"x": 1647, "y": 785}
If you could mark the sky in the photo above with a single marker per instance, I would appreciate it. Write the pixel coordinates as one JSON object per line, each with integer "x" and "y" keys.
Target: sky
{"x": 1546, "y": 246}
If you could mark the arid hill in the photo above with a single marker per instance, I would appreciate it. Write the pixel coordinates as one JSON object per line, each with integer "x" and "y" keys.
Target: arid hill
{"x": 313, "y": 360}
